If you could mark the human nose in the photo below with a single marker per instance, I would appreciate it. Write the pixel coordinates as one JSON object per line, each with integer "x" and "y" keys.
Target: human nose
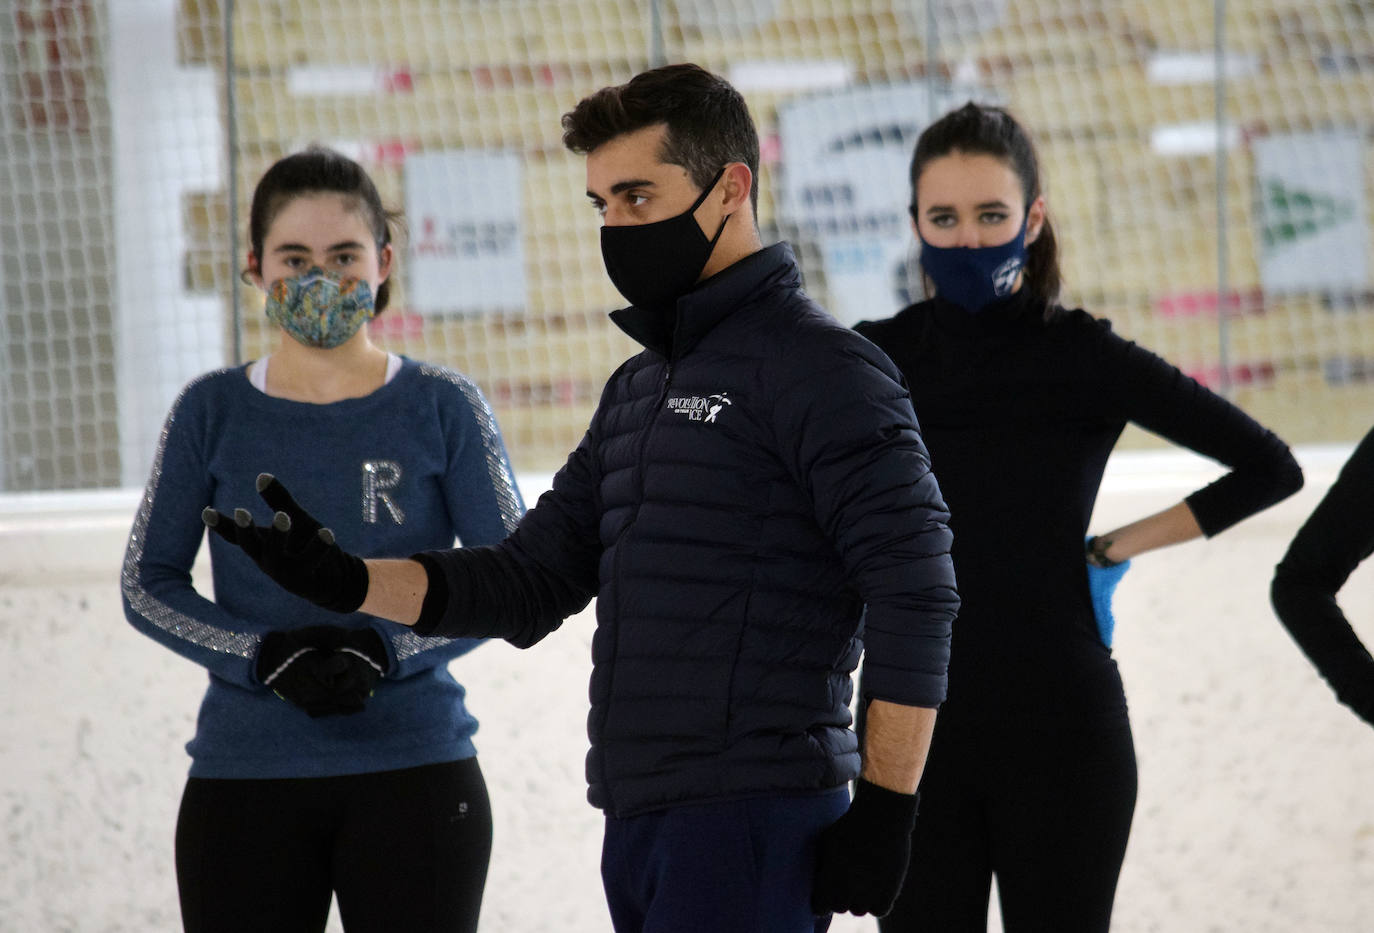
{"x": 967, "y": 235}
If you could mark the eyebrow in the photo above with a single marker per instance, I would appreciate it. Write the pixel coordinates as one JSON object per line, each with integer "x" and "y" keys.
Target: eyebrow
{"x": 982, "y": 207}
{"x": 299, "y": 247}
{"x": 623, "y": 186}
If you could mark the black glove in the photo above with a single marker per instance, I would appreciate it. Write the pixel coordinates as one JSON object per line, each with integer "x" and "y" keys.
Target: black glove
{"x": 324, "y": 669}
{"x": 295, "y": 550}
{"x": 862, "y": 857}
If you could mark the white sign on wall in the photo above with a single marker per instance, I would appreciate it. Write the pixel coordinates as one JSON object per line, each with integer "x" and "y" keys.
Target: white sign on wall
{"x": 463, "y": 208}
{"x": 1313, "y": 232}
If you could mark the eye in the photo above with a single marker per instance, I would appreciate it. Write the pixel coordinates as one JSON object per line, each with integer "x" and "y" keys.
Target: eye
{"x": 941, "y": 220}
{"x": 637, "y": 199}
{"x": 294, "y": 262}
{"x": 993, "y": 217}
{"x": 345, "y": 259}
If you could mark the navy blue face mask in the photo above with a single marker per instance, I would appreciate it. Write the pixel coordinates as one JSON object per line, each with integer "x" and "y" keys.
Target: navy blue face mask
{"x": 653, "y": 265}
{"x": 973, "y": 277}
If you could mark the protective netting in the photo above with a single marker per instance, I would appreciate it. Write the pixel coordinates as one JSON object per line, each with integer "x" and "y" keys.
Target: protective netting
{"x": 1228, "y": 233}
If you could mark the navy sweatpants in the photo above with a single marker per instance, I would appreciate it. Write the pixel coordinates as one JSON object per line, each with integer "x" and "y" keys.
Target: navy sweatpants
{"x": 742, "y": 866}
{"x": 1047, "y": 812}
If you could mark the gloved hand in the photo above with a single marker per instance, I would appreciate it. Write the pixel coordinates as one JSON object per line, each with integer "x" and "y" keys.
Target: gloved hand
{"x": 295, "y": 550}
{"x": 862, "y": 857}
{"x": 323, "y": 669}
{"x": 1102, "y": 583}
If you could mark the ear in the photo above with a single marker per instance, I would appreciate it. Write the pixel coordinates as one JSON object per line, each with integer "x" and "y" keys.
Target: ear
{"x": 384, "y": 259}
{"x": 1035, "y": 219}
{"x": 252, "y": 273}
{"x": 736, "y": 185}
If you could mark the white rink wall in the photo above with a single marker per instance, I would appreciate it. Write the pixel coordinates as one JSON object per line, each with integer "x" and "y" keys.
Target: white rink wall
{"x": 1255, "y": 811}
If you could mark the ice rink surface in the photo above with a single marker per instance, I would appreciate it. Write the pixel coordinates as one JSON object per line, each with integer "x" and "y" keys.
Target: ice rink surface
{"x": 1256, "y": 808}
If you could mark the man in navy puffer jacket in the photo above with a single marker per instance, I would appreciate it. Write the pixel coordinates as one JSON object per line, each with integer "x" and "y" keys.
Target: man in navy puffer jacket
{"x": 753, "y": 507}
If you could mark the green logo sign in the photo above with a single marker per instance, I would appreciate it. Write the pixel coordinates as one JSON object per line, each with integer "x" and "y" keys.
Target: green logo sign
{"x": 1290, "y": 214}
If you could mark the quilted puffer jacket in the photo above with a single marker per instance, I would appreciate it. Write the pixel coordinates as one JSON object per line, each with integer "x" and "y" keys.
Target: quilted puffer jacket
{"x": 753, "y": 508}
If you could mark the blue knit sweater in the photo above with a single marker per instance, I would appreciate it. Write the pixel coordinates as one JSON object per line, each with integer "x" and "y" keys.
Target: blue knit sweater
{"x": 409, "y": 467}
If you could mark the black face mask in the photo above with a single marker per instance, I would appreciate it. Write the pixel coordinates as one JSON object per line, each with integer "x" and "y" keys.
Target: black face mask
{"x": 653, "y": 265}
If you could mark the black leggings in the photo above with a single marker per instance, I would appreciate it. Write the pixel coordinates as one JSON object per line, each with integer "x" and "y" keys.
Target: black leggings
{"x": 1048, "y": 813}
{"x": 403, "y": 851}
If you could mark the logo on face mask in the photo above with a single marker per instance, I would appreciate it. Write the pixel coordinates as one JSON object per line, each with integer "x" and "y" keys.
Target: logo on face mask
{"x": 1004, "y": 276}
{"x": 320, "y": 308}
{"x": 653, "y": 265}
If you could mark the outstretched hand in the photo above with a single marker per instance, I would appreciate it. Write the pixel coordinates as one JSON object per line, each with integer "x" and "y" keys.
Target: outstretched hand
{"x": 295, "y": 550}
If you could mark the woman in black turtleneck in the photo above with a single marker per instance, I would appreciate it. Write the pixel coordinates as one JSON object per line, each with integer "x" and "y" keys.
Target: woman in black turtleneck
{"x": 1032, "y": 774}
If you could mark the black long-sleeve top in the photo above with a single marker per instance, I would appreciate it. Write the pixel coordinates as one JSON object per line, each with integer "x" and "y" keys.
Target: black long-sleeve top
{"x": 1019, "y": 414}
{"x": 1330, "y": 545}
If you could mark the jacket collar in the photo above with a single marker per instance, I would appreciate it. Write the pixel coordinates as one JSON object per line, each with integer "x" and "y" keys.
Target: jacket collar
{"x": 675, "y": 333}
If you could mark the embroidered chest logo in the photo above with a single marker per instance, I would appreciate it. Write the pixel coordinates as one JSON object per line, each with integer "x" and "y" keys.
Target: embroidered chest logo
{"x": 379, "y": 478}
{"x": 705, "y": 409}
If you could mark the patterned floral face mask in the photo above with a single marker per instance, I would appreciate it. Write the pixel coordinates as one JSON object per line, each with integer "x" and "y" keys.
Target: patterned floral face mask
{"x": 319, "y": 308}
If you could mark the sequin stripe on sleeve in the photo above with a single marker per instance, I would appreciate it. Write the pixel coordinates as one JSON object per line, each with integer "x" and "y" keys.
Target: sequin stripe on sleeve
{"x": 498, "y": 470}
{"x": 408, "y": 644}
{"x": 170, "y": 620}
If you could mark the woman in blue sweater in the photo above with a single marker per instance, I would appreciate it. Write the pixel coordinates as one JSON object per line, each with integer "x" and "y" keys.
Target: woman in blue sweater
{"x": 1032, "y": 773}
{"x": 332, "y": 755}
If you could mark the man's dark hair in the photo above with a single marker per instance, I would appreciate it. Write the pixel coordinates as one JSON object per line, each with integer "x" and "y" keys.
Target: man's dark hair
{"x": 708, "y": 123}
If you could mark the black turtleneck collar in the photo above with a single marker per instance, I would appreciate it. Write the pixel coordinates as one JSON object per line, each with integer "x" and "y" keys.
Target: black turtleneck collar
{"x": 671, "y": 333}
{"x": 1019, "y": 307}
